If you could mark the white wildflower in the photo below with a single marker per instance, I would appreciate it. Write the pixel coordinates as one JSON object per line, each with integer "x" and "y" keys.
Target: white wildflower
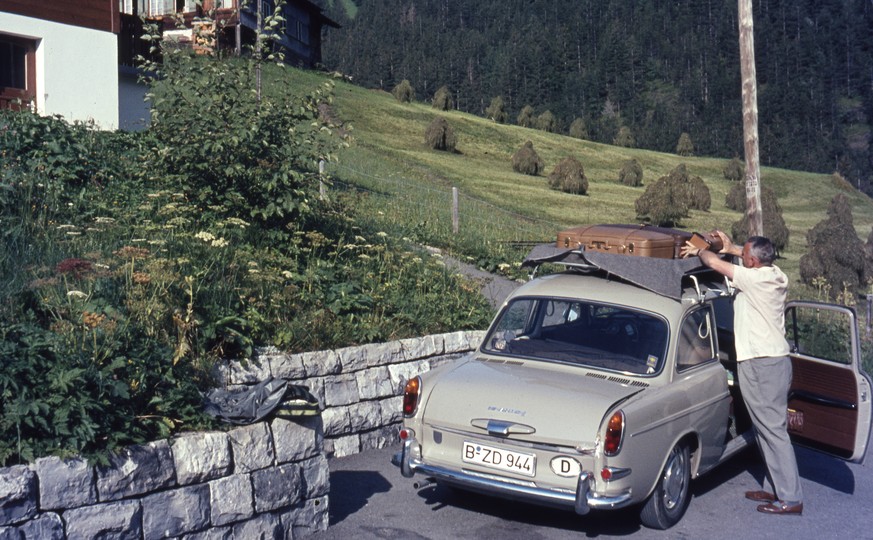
{"x": 206, "y": 236}
{"x": 77, "y": 294}
{"x": 219, "y": 243}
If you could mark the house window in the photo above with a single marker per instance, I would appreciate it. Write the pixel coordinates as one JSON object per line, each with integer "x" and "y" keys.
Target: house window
{"x": 17, "y": 72}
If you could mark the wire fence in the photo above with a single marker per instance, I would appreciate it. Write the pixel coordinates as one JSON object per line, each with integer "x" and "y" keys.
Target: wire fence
{"x": 455, "y": 217}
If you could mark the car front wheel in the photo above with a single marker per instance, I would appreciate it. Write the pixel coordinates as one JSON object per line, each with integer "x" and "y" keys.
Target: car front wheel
{"x": 668, "y": 502}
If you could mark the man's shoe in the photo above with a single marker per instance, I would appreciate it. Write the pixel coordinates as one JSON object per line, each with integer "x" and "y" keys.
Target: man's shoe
{"x": 760, "y": 496}
{"x": 780, "y": 507}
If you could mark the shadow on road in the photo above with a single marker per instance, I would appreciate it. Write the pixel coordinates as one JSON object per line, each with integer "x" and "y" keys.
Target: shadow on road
{"x": 357, "y": 488}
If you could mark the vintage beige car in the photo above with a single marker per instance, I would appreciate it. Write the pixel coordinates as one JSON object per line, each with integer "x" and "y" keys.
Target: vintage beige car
{"x": 613, "y": 383}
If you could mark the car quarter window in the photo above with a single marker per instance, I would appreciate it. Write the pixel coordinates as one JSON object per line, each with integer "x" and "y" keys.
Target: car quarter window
{"x": 695, "y": 340}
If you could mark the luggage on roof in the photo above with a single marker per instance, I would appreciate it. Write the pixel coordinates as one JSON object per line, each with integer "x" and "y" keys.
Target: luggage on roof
{"x": 636, "y": 240}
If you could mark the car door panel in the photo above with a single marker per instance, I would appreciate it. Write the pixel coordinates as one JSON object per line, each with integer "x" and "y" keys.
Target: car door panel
{"x": 829, "y": 405}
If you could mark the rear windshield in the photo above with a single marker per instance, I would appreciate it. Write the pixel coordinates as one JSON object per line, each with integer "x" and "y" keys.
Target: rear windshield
{"x": 602, "y": 336}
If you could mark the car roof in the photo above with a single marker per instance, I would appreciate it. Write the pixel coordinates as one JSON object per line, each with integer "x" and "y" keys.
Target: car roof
{"x": 600, "y": 288}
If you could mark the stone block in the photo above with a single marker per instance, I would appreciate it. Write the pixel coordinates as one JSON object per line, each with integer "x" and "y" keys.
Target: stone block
{"x": 264, "y": 526}
{"x": 120, "y": 520}
{"x": 251, "y": 447}
{"x": 316, "y": 477}
{"x": 382, "y": 437}
{"x": 319, "y": 363}
{"x": 277, "y": 487}
{"x": 341, "y": 389}
{"x": 310, "y": 518}
{"x": 231, "y": 499}
{"x": 296, "y": 439}
{"x": 18, "y": 494}
{"x": 392, "y": 410}
{"x": 458, "y": 342}
{"x": 200, "y": 457}
{"x": 213, "y": 533}
{"x": 422, "y": 347}
{"x": 343, "y": 446}
{"x": 175, "y": 512}
{"x": 65, "y": 483}
{"x": 374, "y": 354}
{"x": 375, "y": 383}
{"x": 365, "y": 415}
{"x": 46, "y": 526}
{"x": 136, "y": 470}
{"x": 336, "y": 420}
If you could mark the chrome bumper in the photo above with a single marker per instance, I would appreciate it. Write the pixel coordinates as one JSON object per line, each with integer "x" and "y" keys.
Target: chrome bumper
{"x": 581, "y": 501}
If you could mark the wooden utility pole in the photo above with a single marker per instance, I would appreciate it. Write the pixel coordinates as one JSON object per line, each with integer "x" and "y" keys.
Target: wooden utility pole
{"x": 750, "y": 119}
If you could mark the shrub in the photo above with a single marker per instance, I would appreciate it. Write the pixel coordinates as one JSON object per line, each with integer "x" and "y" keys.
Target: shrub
{"x": 670, "y": 198}
{"x": 578, "y": 129}
{"x": 525, "y": 117}
{"x": 631, "y": 173}
{"x": 771, "y": 214}
{"x": 403, "y": 92}
{"x": 442, "y": 99}
{"x": 569, "y": 177}
{"x": 835, "y": 253}
{"x": 685, "y": 147}
{"x": 734, "y": 170}
{"x": 440, "y": 135}
{"x": 625, "y": 138}
{"x": 527, "y": 161}
{"x": 548, "y": 122}
{"x": 496, "y": 110}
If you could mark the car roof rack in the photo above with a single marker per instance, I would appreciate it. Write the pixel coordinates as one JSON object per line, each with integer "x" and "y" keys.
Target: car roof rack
{"x": 666, "y": 277}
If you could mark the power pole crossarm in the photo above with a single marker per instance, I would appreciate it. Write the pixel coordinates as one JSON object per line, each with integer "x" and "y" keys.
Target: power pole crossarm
{"x": 750, "y": 119}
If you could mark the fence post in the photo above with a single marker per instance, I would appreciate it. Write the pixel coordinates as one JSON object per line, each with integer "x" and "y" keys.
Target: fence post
{"x": 455, "y": 215}
{"x": 869, "y": 312}
{"x": 322, "y": 189}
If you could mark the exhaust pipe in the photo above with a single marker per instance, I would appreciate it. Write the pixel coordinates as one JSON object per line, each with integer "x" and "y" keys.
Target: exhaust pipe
{"x": 421, "y": 484}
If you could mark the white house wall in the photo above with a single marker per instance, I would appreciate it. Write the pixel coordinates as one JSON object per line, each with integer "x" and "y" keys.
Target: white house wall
{"x": 76, "y": 69}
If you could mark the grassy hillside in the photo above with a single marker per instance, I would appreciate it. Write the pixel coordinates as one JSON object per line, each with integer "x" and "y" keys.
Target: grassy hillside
{"x": 389, "y": 141}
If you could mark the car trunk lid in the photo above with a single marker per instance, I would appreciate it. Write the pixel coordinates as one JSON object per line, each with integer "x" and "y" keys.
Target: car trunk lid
{"x": 526, "y": 401}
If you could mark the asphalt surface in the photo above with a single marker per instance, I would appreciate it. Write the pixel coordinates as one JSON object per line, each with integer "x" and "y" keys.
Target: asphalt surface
{"x": 370, "y": 500}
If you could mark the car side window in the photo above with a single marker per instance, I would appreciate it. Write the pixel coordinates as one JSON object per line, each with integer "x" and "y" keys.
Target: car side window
{"x": 696, "y": 345}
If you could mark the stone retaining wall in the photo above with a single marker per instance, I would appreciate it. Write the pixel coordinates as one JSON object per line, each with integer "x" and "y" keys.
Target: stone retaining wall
{"x": 265, "y": 480}
{"x": 360, "y": 388}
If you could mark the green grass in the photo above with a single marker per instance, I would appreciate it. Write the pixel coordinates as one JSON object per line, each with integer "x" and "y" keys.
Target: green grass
{"x": 389, "y": 143}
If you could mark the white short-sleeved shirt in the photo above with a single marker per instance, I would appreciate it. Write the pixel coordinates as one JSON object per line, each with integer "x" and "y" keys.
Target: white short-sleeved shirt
{"x": 759, "y": 312}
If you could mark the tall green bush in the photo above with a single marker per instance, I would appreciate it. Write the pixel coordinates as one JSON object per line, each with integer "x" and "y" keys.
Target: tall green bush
{"x": 403, "y": 92}
{"x": 496, "y": 111}
{"x": 525, "y": 117}
{"x": 442, "y": 99}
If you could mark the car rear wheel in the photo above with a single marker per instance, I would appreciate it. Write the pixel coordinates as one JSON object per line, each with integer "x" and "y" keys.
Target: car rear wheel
{"x": 668, "y": 502}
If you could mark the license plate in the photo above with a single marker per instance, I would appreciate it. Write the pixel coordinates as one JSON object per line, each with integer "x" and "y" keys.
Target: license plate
{"x": 498, "y": 458}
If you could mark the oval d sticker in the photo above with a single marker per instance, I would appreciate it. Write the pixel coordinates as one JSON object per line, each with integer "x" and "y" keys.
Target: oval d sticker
{"x": 565, "y": 466}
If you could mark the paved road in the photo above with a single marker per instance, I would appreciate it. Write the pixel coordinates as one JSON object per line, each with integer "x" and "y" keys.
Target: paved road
{"x": 370, "y": 500}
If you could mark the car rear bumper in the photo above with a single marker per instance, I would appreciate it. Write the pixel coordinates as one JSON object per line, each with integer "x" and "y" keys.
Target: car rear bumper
{"x": 582, "y": 500}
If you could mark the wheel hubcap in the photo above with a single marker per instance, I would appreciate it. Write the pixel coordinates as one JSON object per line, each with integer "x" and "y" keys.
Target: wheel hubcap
{"x": 675, "y": 480}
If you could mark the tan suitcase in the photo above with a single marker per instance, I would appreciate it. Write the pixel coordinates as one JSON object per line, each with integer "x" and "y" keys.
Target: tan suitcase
{"x": 636, "y": 240}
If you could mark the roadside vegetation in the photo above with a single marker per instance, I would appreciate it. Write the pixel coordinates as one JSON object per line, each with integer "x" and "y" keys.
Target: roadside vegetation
{"x": 132, "y": 262}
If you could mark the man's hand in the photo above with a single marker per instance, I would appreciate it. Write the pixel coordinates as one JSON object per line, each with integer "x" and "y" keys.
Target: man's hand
{"x": 689, "y": 250}
{"x": 728, "y": 247}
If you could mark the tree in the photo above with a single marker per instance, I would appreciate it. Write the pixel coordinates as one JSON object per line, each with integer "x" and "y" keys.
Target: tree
{"x": 631, "y": 173}
{"x": 671, "y": 197}
{"x": 578, "y": 129}
{"x": 527, "y": 161}
{"x": 496, "y": 111}
{"x": 569, "y": 177}
{"x": 525, "y": 117}
{"x": 685, "y": 147}
{"x": 547, "y": 122}
{"x": 734, "y": 170}
{"x": 404, "y": 92}
{"x": 774, "y": 224}
{"x": 836, "y": 254}
{"x": 442, "y": 99}
{"x": 624, "y": 138}
{"x": 440, "y": 135}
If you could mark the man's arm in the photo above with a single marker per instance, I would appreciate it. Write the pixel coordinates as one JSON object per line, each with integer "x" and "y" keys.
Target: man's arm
{"x": 712, "y": 260}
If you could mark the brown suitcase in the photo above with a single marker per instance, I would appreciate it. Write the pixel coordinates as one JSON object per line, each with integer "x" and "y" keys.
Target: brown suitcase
{"x": 636, "y": 240}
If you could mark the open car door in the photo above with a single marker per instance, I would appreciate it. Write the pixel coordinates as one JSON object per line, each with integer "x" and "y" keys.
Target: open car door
{"x": 829, "y": 404}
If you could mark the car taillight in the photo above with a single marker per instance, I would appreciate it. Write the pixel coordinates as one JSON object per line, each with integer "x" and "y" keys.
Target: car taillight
{"x": 614, "y": 434}
{"x": 411, "y": 395}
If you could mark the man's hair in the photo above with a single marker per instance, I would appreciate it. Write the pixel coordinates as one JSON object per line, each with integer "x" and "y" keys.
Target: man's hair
{"x": 762, "y": 248}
